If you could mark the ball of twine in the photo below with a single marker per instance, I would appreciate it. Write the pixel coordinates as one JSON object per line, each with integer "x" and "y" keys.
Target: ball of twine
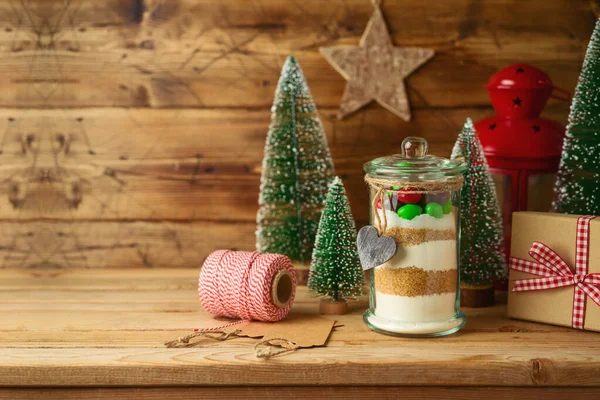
{"x": 238, "y": 284}
{"x": 246, "y": 286}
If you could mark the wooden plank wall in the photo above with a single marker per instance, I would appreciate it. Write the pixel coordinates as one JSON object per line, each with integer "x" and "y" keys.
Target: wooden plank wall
{"x": 132, "y": 132}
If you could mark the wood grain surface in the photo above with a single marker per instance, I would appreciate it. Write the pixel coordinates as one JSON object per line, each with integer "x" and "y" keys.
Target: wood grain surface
{"x": 91, "y": 328}
{"x": 156, "y": 112}
{"x": 202, "y": 53}
{"x": 114, "y": 244}
{"x": 73, "y": 178}
{"x": 309, "y": 393}
{"x": 178, "y": 164}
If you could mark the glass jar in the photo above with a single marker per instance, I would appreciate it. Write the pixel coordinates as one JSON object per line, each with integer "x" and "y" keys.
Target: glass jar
{"x": 415, "y": 199}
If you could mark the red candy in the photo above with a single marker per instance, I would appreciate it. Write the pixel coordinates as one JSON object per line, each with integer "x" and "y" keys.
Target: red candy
{"x": 410, "y": 198}
{"x": 379, "y": 203}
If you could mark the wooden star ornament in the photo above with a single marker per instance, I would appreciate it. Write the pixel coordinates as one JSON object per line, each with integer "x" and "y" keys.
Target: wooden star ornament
{"x": 375, "y": 69}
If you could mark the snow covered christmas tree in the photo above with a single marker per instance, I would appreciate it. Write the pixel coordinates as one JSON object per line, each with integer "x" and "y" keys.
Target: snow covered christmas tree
{"x": 577, "y": 189}
{"x": 335, "y": 270}
{"x": 296, "y": 171}
{"x": 482, "y": 257}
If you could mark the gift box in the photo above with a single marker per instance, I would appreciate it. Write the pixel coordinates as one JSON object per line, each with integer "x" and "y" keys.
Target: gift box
{"x": 555, "y": 269}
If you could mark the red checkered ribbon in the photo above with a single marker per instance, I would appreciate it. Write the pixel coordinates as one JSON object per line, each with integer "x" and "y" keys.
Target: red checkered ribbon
{"x": 555, "y": 272}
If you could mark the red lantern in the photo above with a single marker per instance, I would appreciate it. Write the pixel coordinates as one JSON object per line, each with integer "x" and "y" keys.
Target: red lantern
{"x": 522, "y": 149}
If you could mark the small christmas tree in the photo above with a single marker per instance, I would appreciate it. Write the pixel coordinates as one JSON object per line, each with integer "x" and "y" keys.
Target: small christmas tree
{"x": 481, "y": 241}
{"x": 577, "y": 188}
{"x": 335, "y": 270}
{"x": 297, "y": 168}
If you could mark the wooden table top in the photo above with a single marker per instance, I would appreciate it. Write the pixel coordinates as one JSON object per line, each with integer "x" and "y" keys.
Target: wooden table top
{"x": 107, "y": 328}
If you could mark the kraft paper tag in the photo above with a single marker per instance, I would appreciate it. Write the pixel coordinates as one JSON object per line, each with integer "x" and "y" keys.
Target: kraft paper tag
{"x": 305, "y": 330}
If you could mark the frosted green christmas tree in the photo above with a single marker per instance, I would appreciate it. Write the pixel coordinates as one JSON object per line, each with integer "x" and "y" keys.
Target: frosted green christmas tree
{"x": 335, "y": 270}
{"x": 577, "y": 189}
{"x": 481, "y": 240}
{"x": 296, "y": 171}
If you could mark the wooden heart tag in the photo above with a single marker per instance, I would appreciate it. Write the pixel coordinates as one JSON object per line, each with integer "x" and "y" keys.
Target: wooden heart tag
{"x": 374, "y": 250}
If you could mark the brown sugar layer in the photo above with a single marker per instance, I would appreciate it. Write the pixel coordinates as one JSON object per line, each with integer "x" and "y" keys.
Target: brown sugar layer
{"x": 412, "y": 237}
{"x": 413, "y": 281}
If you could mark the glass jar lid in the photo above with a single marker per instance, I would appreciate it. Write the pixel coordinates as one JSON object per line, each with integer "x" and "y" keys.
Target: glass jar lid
{"x": 414, "y": 164}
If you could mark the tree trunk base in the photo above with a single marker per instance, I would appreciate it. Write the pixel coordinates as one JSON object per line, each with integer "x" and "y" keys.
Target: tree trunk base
{"x": 330, "y": 307}
{"x": 476, "y": 295}
{"x": 301, "y": 273}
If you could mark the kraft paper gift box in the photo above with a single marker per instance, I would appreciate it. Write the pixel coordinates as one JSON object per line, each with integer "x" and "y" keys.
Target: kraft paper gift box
{"x": 547, "y": 303}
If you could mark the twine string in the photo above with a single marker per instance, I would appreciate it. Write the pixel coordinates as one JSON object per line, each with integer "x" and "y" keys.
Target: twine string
{"x": 379, "y": 198}
{"x": 238, "y": 285}
{"x": 263, "y": 349}
{"x": 215, "y": 334}
{"x": 274, "y": 347}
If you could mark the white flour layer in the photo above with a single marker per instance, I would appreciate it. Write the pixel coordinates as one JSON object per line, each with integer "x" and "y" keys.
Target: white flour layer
{"x": 416, "y": 328}
{"x": 439, "y": 255}
{"x": 430, "y": 308}
{"x": 423, "y": 221}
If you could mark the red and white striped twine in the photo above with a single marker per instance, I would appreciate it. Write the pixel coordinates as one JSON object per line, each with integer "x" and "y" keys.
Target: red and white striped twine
{"x": 237, "y": 284}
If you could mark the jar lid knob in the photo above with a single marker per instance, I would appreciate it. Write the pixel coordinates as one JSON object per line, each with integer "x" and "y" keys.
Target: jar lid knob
{"x": 414, "y": 147}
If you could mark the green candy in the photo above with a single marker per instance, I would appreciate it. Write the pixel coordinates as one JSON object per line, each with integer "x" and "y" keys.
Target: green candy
{"x": 447, "y": 206}
{"x": 396, "y": 187}
{"x": 409, "y": 211}
{"x": 435, "y": 210}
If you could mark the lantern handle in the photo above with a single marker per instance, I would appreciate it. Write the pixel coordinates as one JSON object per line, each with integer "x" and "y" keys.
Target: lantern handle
{"x": 565, "y": 96}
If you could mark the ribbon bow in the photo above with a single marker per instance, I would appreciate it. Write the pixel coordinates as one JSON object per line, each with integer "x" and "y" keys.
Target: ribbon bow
{"x": 555, "y": 272}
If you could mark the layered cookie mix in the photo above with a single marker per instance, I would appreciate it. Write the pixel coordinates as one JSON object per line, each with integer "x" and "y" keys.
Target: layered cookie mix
{"x": 418, "y": 285}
